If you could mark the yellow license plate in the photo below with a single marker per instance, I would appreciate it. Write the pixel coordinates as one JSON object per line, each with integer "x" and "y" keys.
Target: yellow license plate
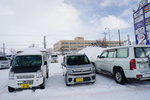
{"x": 79, "y": 79}
{"x": 25, "y": 85}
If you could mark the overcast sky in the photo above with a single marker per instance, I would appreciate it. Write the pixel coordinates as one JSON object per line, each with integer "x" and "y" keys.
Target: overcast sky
{"x": 25, "y": 22}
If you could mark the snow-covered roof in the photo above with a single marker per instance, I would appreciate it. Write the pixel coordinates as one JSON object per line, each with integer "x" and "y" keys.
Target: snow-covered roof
{"x": 31, "y": 51}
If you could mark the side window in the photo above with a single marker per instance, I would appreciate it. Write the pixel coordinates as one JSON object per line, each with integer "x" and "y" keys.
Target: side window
{"x": 104, "y": 54}
{"x": 122, "y": 53}
{"x": 112, "y": 54}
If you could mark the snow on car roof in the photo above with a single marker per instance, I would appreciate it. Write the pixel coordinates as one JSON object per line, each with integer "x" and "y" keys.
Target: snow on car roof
{"x": 32, "y": 51}
{"x": 75, "y": 54}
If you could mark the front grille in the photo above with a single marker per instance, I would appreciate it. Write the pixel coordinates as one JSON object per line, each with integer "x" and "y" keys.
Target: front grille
{"x": 4, "y": 62}
{"x": 82, "y": 70}
{"x": 87, "y": 79}
{"x": 77, "y": 74}
{"x": 25, "y": 82}
{"x": 25, "y": 76}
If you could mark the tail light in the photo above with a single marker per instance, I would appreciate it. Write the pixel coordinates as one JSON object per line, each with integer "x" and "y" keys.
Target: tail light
{"x": 132, "y": 64}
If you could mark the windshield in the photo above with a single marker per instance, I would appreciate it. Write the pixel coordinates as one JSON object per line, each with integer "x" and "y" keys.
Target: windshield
{"x": 141, "y": 52}
{"x": 27, "y": 61}
{"x": 3, "y": 58}
{"x": 77, "y": 60}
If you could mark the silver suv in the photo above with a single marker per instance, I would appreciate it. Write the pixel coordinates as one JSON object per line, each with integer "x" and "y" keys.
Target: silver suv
{"x": 78, "y": 69}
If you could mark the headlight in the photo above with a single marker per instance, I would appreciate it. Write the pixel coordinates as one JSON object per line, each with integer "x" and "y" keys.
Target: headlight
{"x": 69, "y": 71}
{"x": 39, "y": 74}
{"x": 93, "y": 69}
{"x": 11, "y": 75}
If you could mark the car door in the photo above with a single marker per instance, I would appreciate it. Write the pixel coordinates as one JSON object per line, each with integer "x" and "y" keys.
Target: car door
{"x": 101, "y": 61}
{"x": 142, "y": 59}
{"x": 110, "y": 60}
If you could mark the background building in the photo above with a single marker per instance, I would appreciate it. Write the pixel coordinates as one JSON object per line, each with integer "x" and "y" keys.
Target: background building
{"x": 72, "y": 45}
{"x": 79, "y": 43}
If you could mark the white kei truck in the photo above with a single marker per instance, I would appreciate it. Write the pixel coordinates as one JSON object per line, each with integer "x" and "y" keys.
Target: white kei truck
{"x": 28, "y": 69}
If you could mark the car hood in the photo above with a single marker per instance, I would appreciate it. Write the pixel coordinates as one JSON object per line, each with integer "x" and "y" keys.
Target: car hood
{"x": 25, "y": 69}
{"x": 79, "y": 66}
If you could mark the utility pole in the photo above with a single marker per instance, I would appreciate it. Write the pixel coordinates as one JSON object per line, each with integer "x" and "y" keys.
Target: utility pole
{"x": 45, "y": 42}
{"x": 128, "y": 40}
{"x": 108, "y": 31}
{"x": 119, "y": 37}
{"x": 3, "y": 49}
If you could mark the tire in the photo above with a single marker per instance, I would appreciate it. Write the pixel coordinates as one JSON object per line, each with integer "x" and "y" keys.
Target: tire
{"x": 119, "y": 76}
{"x": 66, "y": 81}
{"x": 10, "y": 89}
{"x": 42, "y": 86}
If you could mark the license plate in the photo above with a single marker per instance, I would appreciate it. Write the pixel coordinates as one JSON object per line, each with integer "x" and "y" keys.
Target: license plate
{"x": 79, "y": 79}
{"x": 25, "y": 85}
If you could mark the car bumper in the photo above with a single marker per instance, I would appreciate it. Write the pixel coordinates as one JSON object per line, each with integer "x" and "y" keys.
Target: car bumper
{"x": 16, "y": 83}
{"x": 137, "y": 75}
{"x": 4, "y": 66}
{"x": 71, "y": 79}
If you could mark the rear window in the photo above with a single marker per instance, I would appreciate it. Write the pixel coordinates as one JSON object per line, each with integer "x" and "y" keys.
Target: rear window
{"x": 141, "y": 52}
{"x": 77, "y": 60}
{"x": 3, "y": 58}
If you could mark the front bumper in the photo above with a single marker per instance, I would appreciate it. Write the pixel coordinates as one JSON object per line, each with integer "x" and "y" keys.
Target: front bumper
{"x": 4, "y": 65}
{"x": 90, "y": 78}
{"x": 33, "y": 82}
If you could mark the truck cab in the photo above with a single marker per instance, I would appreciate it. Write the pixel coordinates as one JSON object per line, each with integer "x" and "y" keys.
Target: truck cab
{"x": 27, "y": 70}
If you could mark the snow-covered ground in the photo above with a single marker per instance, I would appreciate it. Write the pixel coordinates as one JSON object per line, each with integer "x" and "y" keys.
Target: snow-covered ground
{"x": 105, "y": 88}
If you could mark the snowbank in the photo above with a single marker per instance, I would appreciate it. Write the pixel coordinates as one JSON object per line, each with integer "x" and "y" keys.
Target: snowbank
{"x": 92, "y": 52}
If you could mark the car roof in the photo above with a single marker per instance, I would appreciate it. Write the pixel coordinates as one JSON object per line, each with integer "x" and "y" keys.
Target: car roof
{"x": 29, "y": 53}
{"x": 127, "y": 47}
{"x": 32, "y": 51}
{"x": 74, "y": 54}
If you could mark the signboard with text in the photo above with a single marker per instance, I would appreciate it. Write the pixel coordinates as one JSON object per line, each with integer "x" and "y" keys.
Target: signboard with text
{"x": 142, "y": 24}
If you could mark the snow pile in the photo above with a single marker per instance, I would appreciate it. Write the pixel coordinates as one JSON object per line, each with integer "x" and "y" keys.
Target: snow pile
{"x": 92, "y": 52}
{"x": 34, "y": 50}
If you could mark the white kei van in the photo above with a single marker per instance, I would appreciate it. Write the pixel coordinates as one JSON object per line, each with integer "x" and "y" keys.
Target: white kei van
{"x": 28, "y": 69}
{"x": 125, "y": 62}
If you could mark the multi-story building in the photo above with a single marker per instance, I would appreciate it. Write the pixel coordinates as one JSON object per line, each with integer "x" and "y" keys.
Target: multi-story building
{"x": 72, "y": 45}
{"x": 79, "y": 43}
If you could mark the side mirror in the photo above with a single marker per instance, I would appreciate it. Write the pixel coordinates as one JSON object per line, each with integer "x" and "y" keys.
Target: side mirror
{"x": 63, "y": 64}
{"x": 148, "y": 56}
{"x": 11, "y": 62}
{"x": 100, "y": 56}
{"x": 45, "y": 62}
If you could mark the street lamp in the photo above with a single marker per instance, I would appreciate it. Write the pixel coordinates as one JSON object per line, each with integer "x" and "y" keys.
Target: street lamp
{"x": 105, "y": 33}
{"x": 108, "y": 31}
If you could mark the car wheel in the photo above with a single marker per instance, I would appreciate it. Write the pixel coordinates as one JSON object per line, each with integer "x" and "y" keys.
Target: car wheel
{"x": 119, "y": 76}
{"x": 66, "y": 81}
{"x": 42, "y": 86}
{"x": 10, "y": 89}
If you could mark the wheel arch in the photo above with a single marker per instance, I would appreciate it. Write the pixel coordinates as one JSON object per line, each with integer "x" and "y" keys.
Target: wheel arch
{"x": 115, "y": 68}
